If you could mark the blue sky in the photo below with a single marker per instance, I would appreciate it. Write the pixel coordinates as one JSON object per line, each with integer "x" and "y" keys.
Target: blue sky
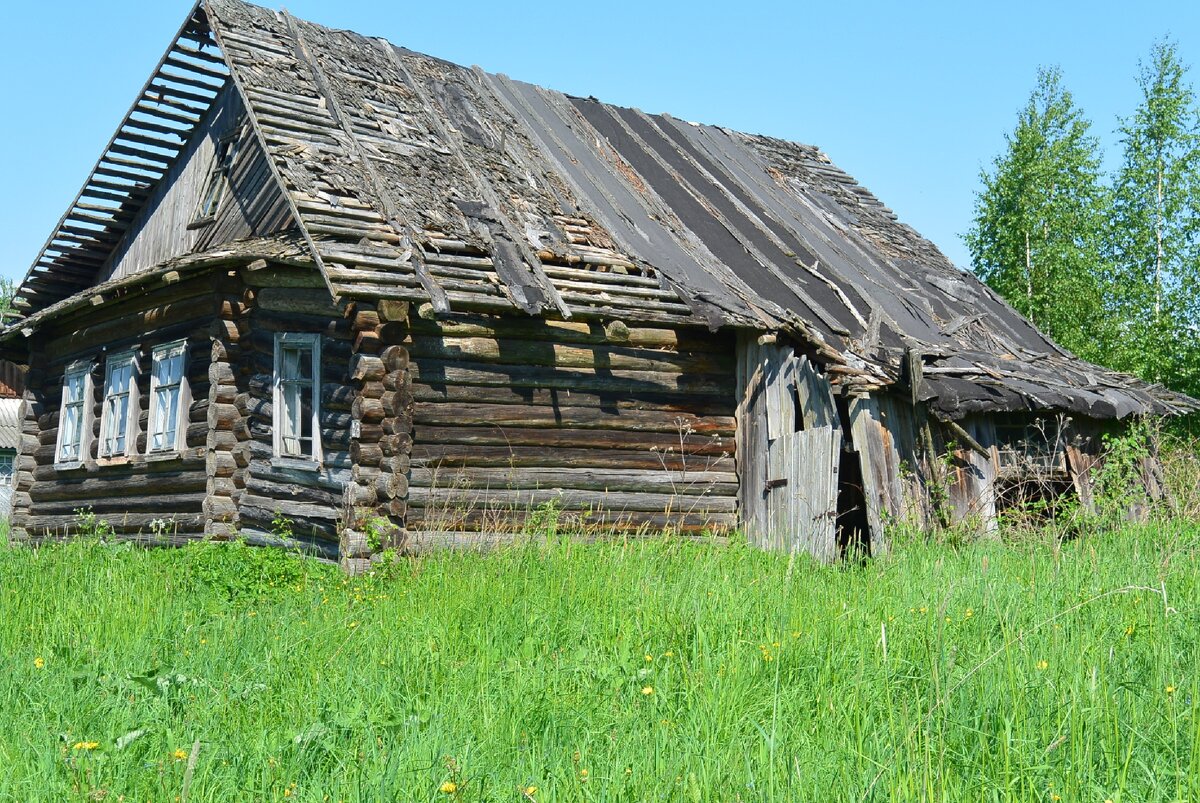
{"x": 911, "y": 98}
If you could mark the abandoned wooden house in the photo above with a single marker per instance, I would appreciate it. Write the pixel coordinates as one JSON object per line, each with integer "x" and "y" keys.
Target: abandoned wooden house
{"x": 323, "y": 291}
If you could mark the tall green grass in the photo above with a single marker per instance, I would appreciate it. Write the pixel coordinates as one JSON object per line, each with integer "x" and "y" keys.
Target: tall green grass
{"x": 646, "y": 670}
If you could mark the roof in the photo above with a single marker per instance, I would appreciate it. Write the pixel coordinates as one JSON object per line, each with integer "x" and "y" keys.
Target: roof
{"x": 10, "y": 423}
{"x": 414, "y": 178}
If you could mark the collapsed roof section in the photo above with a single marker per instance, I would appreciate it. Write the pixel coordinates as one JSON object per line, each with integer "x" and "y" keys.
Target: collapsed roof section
{"x": 417, "y": 179}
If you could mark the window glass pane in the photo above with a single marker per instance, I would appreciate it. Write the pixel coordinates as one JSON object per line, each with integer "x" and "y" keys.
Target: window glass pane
{"x": 172, "y": 406}
{"x": 164, "y": 404}
{"x": 71, "y": 415}
{"x": 296, "y": 391}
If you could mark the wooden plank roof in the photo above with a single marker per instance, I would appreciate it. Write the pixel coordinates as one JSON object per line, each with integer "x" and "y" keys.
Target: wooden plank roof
{"x": 414, "y": 178}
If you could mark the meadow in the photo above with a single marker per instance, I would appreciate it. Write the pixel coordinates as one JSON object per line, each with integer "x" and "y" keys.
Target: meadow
{"x": 653, "y": 669}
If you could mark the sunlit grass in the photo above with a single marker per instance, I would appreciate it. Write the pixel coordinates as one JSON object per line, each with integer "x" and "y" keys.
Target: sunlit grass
{"x": 646, "y": 670}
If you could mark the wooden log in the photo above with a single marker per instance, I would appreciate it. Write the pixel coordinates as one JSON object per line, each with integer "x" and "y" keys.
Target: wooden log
{"x": 395, "y": 358}
{"x": 515, "y": 415}
{"x": 267, "y": 488}
{"x": 553, "y": 397}
{"x": 122, "y": 507}
{"x": 545, "y": 353}
{"x": 555, "y": 438}
{"x": 390, "y": 486}
{"x": 223, "y": 416}
{"x": 366, "y": 454}
{"x": 365, "y": 367}
{"x": 435, "y": 372}
{"x": 368, "y": 410}
{"x": 686, "y": 483}
{"x": 300, "y": 300}
{"x": 137, "y": 489}
{"x": 568, "y": 499}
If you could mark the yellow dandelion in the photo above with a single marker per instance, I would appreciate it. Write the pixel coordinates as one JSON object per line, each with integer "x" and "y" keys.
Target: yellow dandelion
{"x": 1043, "y": 664}
{"x": 448, "y": 788}
{"x": 1170, "y": 689}
{"x": 352, "y": 625}
{"x": 649, "y": 657}
{"x": 39, "y": 662}
{"x": 252, "y": 613}
{"x": 529, "y": 791}
{"x": 287, "y": 792}
{"x": 1129, "y": 631}
{"x": 85, "y": 745}
{"x": 923, "y": 609}
{"x": 795, "y": 634}
{"x": 179, "y": 755}
{"x": 668, "y": 654}
{"x": 647, "y": 690}
{"x": 583, "y": 774}
{"x": 970, "y": 612}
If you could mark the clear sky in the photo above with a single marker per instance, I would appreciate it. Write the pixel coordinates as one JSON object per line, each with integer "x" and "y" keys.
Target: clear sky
{"x": 911, "y": 98}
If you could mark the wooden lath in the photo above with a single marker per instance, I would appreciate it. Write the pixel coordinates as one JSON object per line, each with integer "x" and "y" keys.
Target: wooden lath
{"x": 162, "y": 119}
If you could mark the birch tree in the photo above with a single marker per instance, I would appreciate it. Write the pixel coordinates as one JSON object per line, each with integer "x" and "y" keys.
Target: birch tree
{"x": 1036, "y": 236}
{"x": 1155, "y": 229}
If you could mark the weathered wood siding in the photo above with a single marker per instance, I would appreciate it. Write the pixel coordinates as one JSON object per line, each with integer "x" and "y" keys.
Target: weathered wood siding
{"x": 129, "y": 493}
{"x": 623, "y": 427}
{"x": 789, "y": 449}
{"x": 252, "y": 204}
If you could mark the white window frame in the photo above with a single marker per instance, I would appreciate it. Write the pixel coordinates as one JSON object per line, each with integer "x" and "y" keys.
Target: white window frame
{"x": 82, "y": 440}
{"x": 166, "y": 351}
{"x": 302, "y": 340}
{"x": 117, "y": 360}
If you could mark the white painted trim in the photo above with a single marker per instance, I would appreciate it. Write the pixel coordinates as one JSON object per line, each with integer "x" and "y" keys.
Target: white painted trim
{"x": 312, "y": 341}
{"x": 85, "y": 368}
{"x": 160, "y": 352}
{"x": 117, "y": 360}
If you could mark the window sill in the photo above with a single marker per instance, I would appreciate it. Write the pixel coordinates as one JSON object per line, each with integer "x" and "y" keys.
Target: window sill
{"x": 296, "y": 464}
{"x": 113, "y": 460}
{"x": 74, "y": 465}
{"x": 163, "y": 456}
{"x": 202, "y": 222}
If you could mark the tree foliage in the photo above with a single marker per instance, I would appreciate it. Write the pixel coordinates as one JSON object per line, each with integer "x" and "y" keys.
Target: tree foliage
{"x": 1110, "y": 269}
{"x": 1038, "y": 221}
{"x": 1154, "y": 239}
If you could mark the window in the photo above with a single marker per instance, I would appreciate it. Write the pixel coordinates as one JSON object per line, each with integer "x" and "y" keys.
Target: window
{"x": 8, "y": 459}
{"x": 168, "y": 395}
{"x": 74, "y": 413}
{"x": 120, "y": 401}
{"x": 218, "y": 178}
{"x": 297, "y": 385}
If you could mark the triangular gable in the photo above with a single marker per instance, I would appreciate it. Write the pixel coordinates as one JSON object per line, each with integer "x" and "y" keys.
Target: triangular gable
{"x": 153, "y": 135}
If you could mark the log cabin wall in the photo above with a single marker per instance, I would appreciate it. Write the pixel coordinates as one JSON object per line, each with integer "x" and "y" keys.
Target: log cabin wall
{"x": 130, "y": 493}
{"x": 278, "y": 501}
{"x": 251, "y": 204}
{"x": 614, "y": 428}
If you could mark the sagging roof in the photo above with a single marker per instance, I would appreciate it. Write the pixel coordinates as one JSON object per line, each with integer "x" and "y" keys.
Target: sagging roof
{"x": 414, "y": 178}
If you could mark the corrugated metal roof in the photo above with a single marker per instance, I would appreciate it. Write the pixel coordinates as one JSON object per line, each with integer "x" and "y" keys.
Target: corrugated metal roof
{"x": 10, "y": 423}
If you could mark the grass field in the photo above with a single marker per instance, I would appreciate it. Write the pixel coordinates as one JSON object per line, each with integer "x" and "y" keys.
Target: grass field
{"x": 648, "y": 670}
